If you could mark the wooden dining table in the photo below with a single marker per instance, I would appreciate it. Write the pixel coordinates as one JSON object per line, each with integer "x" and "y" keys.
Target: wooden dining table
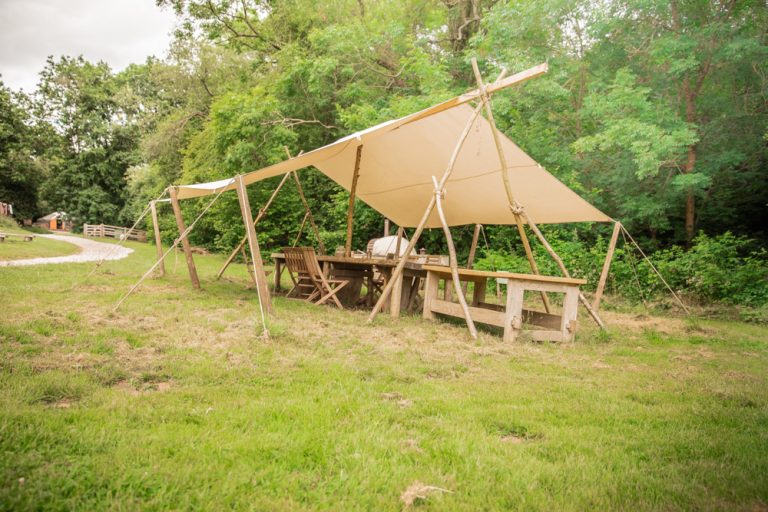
{"x": 363, "y": 269}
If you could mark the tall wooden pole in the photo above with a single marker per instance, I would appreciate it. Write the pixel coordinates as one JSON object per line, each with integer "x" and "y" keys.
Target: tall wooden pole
{"x": 158, "y": 240}
{"x": 606, "y": 266}
{"x": 420, "y": 226}
{"x": 505, "y": 178}
{"x": 386, "y": 227}
{"x": 351, "y": 207}
{"x": 453, "y": 263}
{"x": 184, "y": 241}
{"x": 253, "y": 246}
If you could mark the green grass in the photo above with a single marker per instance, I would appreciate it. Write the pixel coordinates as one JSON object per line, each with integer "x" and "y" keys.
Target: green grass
{"x": 15, "y": 248}
{"x": 175, "y": 402}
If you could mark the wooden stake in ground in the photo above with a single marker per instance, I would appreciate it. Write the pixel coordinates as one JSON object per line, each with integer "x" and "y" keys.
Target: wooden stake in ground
{"x": 265, "y": 301}
{"x": 505, "y": 177}
{"x": 606, "y": 266}
{"x": 183, "y": 235}
{"x": 452, "y": 259}
{"x": 351, "y": 207}
{"x": 158, "y": 240}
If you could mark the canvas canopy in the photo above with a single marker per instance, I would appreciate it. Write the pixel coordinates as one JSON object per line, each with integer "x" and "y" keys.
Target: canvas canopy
{"x": 400, "y": 157}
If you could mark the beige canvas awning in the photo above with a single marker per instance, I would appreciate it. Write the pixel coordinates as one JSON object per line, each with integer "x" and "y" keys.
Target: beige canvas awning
{"x": 400, "y": 157}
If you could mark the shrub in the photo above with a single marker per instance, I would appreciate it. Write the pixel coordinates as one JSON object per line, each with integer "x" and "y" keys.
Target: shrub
{"x": 724, "y": 269}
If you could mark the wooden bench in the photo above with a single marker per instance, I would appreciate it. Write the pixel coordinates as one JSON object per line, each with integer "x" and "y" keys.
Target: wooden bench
{"x": 510, "y": 316}
{"x": 27, "y": 238}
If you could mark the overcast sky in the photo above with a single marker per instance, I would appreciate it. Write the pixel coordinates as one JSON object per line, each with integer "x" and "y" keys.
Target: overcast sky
{"x": 118, "y": 32}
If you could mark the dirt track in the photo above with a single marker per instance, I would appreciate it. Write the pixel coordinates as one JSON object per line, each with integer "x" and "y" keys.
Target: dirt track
{"x": 91, "y": 251}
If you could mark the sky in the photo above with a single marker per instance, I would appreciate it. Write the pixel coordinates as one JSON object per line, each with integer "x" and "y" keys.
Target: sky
{"x": 119, "y": 32}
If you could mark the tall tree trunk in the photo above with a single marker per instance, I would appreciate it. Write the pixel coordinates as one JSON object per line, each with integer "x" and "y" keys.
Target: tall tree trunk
{"x": 690, "y": 163}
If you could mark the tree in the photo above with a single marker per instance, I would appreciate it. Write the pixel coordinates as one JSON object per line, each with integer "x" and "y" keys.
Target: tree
{"x": 87, "y": 178}
{"x": 20, "y": 173}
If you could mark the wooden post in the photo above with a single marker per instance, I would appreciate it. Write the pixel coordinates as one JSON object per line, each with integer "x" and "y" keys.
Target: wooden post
{"x": 505, "y": 177}
{"x": 606, "y": 266}
{"x": 351, "y": 207}
{"x": 309, "y": 212}
{"x": 472, "y": 249}
{"x": 262, "y": 212}
{"x": 253, "y": 244}
{"x": 452, "y": 259}
{"x": 420, "y": 226}
{"x": 386, "y": 227}
{"x": 399, "y": 242}
{"x": 184, "y": 241}
{"x": 158, "y": 240}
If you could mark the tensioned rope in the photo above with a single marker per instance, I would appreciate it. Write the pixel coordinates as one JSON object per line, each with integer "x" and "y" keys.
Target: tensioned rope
{"x": 122, "y": 242}
{"x": 172, "y": 247}
{"x": 632, "y": 266}
{"x": 656, "y": 271}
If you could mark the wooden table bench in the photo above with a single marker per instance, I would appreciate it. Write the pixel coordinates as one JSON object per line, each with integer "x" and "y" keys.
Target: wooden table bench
{"x": 27, "y": 238}
{"x": 510, "y": 316}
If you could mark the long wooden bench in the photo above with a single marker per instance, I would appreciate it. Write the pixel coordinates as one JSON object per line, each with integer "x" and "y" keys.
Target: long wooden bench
{"x": 510, "y": 316}
{"x": 26, "y": 237}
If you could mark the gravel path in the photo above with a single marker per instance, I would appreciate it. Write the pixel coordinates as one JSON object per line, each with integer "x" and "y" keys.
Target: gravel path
{"x": 91, "y": 251}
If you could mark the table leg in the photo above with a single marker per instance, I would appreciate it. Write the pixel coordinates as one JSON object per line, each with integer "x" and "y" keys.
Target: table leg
{"x": 513, "y": 316}
{"x": 430, "y": 293}
{"x": 396, "y": 297}
{"x": 278, "y": 274}
{"x": 569, "y": 323}
{"x": 478, "y": 294}
{"x": 448, "y": 290}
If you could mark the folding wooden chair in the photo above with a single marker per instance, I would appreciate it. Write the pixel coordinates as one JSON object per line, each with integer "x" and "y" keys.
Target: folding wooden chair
{"x": 311, "y": 283}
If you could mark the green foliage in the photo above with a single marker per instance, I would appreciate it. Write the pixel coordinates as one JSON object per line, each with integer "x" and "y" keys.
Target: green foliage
{"x": 20, "y": 174}
{"x": 728, "y": 269}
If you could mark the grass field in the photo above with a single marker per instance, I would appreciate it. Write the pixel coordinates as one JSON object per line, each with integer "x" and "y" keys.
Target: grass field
{"x": 15, "y": 248}
{"x": 174, "y": 402}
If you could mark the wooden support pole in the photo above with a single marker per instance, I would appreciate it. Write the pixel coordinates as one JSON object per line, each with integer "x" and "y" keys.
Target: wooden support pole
{"x": 481, "y": 87}
{"x": 399, "y": 242}
{"x": 184, "y": 240}
{"x": 564, "y": 270}
{"x": 253, "y": 245}
{"x": 158, "y": 240}
{"x": 386, "y": 227}
{"x": 309, "y": 212}
{"x": 472, "y": 250}
{"x": 259, "y": 216}
{"x": 301, "y": 229}
{"x": 420, "y": 226}
{"x": 452, "y": 259}
{"x": 351, "y": 207}
{"x": 606, "y": 266}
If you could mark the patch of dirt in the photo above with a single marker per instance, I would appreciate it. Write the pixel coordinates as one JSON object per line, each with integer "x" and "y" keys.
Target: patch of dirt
{"x": 148, "y": 387}
{"x": 62, "y": 404}
{"x": 418, "y": 491}
{"x": 412, "y": 445}
{"x": 512, "y": 439}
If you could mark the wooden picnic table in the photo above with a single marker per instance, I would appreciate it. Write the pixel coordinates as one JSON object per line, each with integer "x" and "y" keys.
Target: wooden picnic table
{"x": 359, "y": 269}
{"x": 511, "y": 315}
